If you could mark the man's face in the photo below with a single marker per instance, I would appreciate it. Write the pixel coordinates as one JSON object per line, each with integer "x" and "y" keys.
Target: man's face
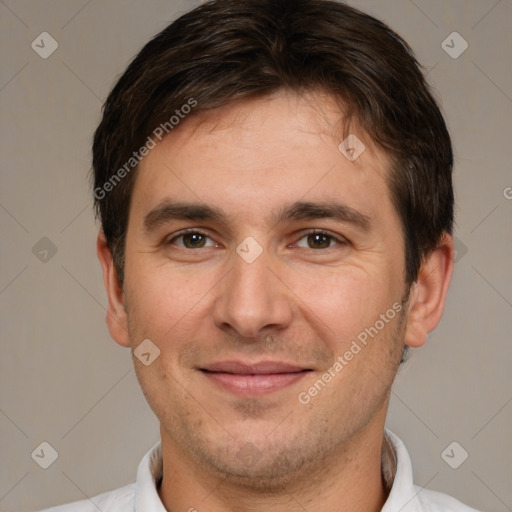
{"x": 251, "y": 308}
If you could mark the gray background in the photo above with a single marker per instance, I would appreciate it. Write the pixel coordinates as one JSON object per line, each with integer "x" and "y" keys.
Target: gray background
{"x": 64, "y": 381}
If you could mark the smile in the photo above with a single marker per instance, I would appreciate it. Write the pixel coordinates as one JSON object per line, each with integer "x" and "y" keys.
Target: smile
{"x": 248, "y": 380}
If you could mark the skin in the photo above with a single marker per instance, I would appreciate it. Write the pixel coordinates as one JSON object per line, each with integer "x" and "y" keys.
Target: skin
{"x": 302, "y": 301}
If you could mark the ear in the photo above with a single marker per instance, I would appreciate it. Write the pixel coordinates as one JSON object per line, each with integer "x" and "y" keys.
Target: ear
{"x": 428, "y": 293}
{"x": 117, "y": 321}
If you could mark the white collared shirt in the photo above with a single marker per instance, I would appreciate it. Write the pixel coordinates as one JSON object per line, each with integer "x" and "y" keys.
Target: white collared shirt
{"x": 142, "y": 496}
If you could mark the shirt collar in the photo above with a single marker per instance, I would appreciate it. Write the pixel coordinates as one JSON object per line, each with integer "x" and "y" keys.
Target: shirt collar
{"x": 396, "y": 472}
{"x": 149, "y": 474}
{"x": 402, "y": 496}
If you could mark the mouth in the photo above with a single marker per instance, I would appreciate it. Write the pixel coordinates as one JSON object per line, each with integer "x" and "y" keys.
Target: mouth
{"x": 253, "y": 380}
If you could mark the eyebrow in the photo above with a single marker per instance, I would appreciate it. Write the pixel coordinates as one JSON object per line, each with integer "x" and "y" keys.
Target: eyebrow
{"x": 178, "y": 210}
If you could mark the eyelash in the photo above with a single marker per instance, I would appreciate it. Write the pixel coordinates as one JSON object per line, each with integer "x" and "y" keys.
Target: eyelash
{"x": 340, "y": 240}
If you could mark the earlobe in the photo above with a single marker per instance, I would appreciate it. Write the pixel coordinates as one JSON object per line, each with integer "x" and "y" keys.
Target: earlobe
{"x": 116, "y": 314}
{"x": 428, "y": 294}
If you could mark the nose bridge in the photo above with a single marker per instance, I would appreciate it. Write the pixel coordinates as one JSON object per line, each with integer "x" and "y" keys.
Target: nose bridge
{"x": 251, "y": 298}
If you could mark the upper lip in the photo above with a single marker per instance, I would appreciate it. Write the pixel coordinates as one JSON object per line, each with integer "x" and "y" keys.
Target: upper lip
{"x": 261, "y": 368}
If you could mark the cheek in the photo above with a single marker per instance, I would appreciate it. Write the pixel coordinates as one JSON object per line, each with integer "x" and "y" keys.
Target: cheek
{"x": 343, "y": 302}
{"x": 164, "y": 301}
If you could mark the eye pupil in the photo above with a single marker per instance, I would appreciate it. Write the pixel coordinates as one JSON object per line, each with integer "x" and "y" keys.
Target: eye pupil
{"x": 318, "y": 241}
{"x": 192, "y": 240}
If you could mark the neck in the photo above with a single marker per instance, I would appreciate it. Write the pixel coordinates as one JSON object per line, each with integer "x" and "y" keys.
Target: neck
{"x": 350, "y": 479}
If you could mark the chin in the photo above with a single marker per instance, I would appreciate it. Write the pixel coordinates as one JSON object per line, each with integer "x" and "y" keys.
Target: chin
{"x": 266, "y": 475}
{"x": 260, "y": 463}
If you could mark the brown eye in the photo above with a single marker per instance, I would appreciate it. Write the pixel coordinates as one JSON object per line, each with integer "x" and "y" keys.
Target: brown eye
{"x": 191, "y": 240}
{"x": 319, "y": 241}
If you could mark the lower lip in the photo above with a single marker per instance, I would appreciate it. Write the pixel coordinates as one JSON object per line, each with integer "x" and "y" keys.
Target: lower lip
{"x": 254, "y": 385}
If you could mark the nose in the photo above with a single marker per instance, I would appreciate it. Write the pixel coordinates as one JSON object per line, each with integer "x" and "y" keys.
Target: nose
{"x": 252, "y": 300}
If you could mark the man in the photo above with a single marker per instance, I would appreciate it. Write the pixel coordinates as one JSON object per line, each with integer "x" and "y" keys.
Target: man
{"x": 273, "y": 180}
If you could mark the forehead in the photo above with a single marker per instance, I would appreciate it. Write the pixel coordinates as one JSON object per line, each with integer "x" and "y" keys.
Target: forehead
{"x": 254, "y": 154}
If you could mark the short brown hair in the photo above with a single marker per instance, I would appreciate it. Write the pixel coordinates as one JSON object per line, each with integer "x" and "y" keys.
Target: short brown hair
{"x": 227, "y": 50}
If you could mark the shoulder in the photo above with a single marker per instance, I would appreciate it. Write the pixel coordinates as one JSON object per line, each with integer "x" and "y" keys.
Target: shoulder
{"x": 118, "y": 500}
{"x": 433, "y": 501}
